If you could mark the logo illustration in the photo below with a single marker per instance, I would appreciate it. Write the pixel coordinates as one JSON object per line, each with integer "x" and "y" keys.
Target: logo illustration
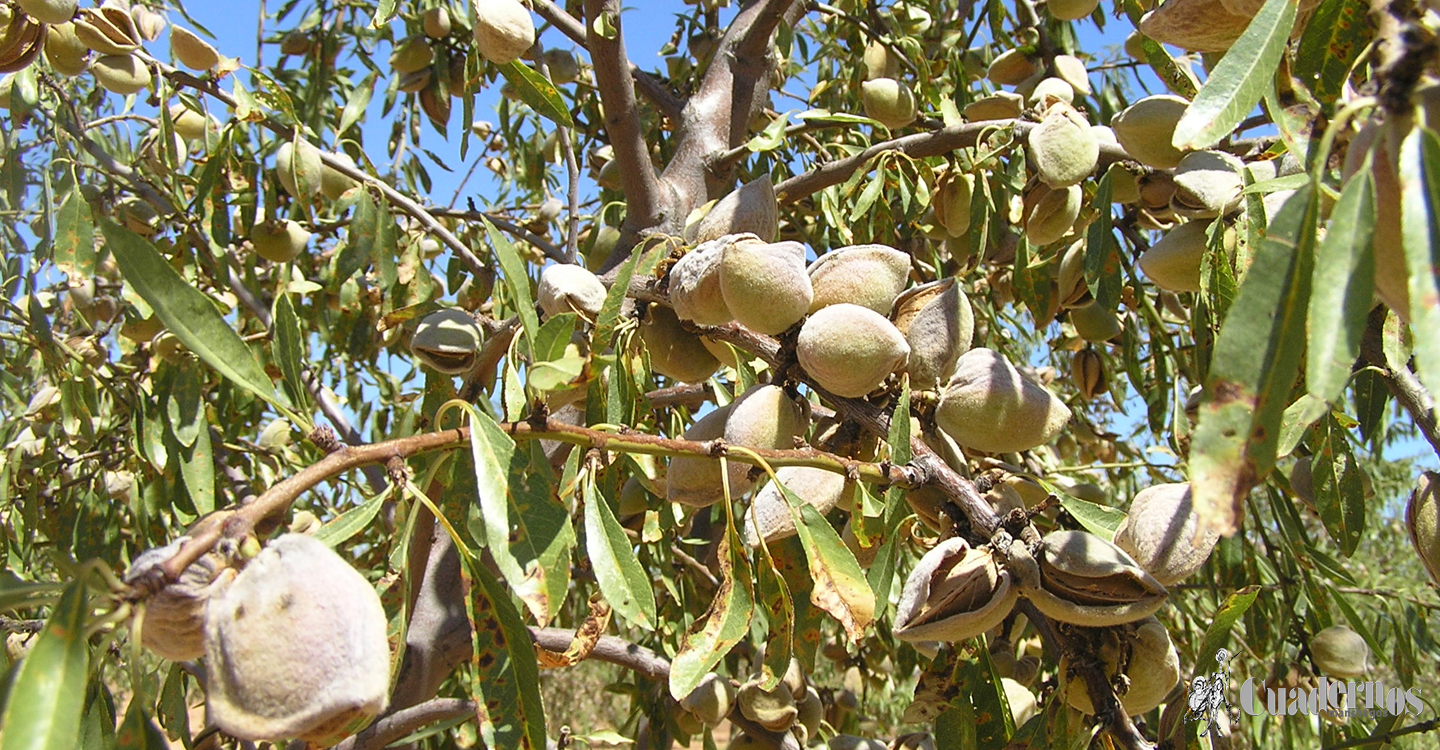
{"x": 1207, "y": 694}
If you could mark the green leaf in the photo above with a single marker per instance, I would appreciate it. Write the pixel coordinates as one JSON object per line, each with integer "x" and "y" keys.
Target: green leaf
{"x": 138, "y": 731}
{"x": 725, "y": 623}
{"x": 289, "y": 353}
{"x": 840, "y": 586}
{"x": 553, "y": 337}
{"x": 638, "y": 263}
{"x": 1223, "y": 620}
{"x": 197, "y": 466}
{"x": 384, "y": 12}
{"x": 1175, "y": 78}
{"x": 1344, "y": 289}
{"x": 1420, "y": 204}
{"x": 187, "y": 312}
{"x": 779, "y": 609}
{"x": 538, "y": 92}
{"x": 74, "y": 249}
{"x": 1296, "y": 422}
{"x": 1339, "y": 491}
{"x": 517, "y": 283}
{"x": 339, "y": 529}
{"x": 356, "y": 105}
{"x": 622, "y": 580}
{"x": 1097, "y": 519}
{"x": 1257, "y": 359}
{"x": 506, "y": 680}
{"x": 1334, "y": 37}
{"x": 1102, "y": 253}
{"x": 47, "y": 699}
{"x": 1239, "y": 80}
{"x": 771, "y": 138}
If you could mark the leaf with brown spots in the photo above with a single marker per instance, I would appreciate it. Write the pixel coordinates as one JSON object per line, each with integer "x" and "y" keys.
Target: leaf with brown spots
{"x": 726, "y": 622}
{"x": 1256, "y": 362}
{"x": 505, "y": 677}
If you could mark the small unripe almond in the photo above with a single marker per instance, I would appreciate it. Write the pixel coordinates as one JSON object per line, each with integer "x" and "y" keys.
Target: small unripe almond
{"x": 299, "y": 168}
{"x": 675, "y": 352}
{"x": 563, "y": 66}
{"x": 1146, "y": 127}
{"x": 1087, "y": 370}
{"x": 1011, "y": 68}
{"x": 66, "y": 53}
{"x": 889, "y": 102}
{"x": 770, "y": 518}
{"x": 1207, "y": 184}
{"x": 503, "y": 30}
{"x": 696, "y": 481}
{"x": 765, "y": 285}
{"x": 938, "y": 324}
{"x": 867, "y": 275}
{"x": 1094, "y": 323}
{"x": 412, "y": 55}
{"x": 279, "y": 241}
{"x": 880, "y": 61}
{"x": 49, "y": 11}
{"x": 953, "y": 195}
{"x": 989, "y": 406}
{"x": 121, "y": 74}
{"x": 1002, "y": 105}
{"x": 1070, "y": 10}
{"x": 695, "y": 289}
{"x": 565, "y": 287}
{"x": 436, "y": 22}
{"x": 1064, "y": 149}
{"x": 1340, "y": 652}
{"x": 1173, "y": 262}
{"x": 1164, "y": 534}
{"x": 192, "y": 51}
{"x": 849, "y": 350}
{"x": 752, "y": 208}
{"x": 1050, "y": 212}
{"x": 1422, "y": 517}
{"x": 447, "y": 341}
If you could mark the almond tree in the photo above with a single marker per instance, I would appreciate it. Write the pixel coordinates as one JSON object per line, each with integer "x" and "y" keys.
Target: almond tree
{"x": 881, "y": 374}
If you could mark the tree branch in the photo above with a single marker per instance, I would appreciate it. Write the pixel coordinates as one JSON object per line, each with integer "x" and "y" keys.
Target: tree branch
{"x": 392, "y": 727}
{"x": 918, "y": 145}
{"x": 645, "y": 206}
{"x": 283, "y": 493}
{"x": 649, "y": 86}
{"x": 1402, "y": 383}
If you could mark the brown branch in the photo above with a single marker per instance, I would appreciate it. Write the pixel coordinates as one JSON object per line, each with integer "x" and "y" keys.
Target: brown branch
{"x": 691, "y": 395}
{"x": 645, "y": 206}
{"x": 717, "y": 116}
{"x": 283, "y": 493}
{"x": 393, "y": 726}
{"x": 918, "y": 145}
{"x": 1402, "y": 383}
{"x": 551, "y": 250}
{"x": 649, "y": 86}
{"x": 1387, "y": 738}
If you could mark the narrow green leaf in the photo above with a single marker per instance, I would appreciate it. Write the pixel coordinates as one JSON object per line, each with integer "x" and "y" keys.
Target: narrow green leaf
{"x": 1240, "y": 79}
{"x": 622, "y": 580}
{"x": 197, "y": 466}
{"x": 840, "y": 586}
{"x": 492, "y": 451}
{"x": 553, "y": 337}
{"x": 1420, "y": 204}
{"x": 1257, "y": 359}
{"x": 138, "y": 731}
{"x": 1176, "y": 79}
{"x": 1097, "y": 519}
{"x": 1339, "y": 493}
{"x": 780, "y": 612}
{"x": 506, "y": 680}
{"x": 356, "y": 105}
{"x": 1344, "y": 289}
{"x": 517, "y": 283}
{"x": 47, "y": 699}
{"x": 1102, "y": 253}
{"x": 725, "y": 623}
{"x": 1334, "y": 37}
{"x": 187, "y": 312}
{"x": 384, "y": 12}
{"x": 538, "y": 92}
{"x": 771, "y": 138}
{"x": 1223, "y": 620}
{"x": 74, "y": 250}
{"x": 341, "y": 528}
{"x": 639, "y": 263}
{"x": 289, "y": 353}
{"x": 1296, "y": 421}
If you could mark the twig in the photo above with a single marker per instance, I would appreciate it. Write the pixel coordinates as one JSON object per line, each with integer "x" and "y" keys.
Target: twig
{"x": 401, "y": 201}
{"x": 918, "y": 145}
{"x": 1401, "y": 382}
{"x": 551, "y": 250}
{"x": 690, "y": 395}
{"x": 286, "y": 491}
{"x": 405, "y": 721}
{"x": 1386, "y": 738}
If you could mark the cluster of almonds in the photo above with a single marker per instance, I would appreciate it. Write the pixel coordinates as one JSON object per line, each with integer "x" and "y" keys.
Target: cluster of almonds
{"x": 294, "y": 638}
{"x": 957, "y": 591}
{"x": 791, "y": 705}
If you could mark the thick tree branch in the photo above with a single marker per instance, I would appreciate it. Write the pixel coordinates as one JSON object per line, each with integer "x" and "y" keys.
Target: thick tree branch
{"x": 645, "y": 205}
{"x": 392, "y": 727}
{"x": 717, "y": 116}
{"x": 918, "y": 145}
{"x": 650, "y": 87}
